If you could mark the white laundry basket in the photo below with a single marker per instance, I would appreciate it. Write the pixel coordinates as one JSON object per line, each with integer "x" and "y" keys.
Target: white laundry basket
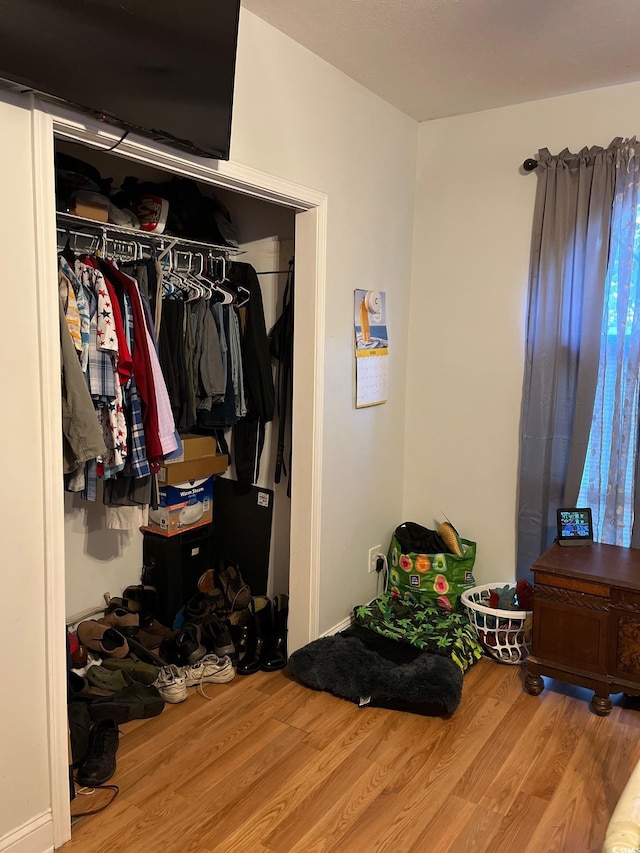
{"x": 505, "y": 634}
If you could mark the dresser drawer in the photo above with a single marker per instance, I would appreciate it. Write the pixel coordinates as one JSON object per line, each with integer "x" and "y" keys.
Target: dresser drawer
{"x": 547, "y": 579}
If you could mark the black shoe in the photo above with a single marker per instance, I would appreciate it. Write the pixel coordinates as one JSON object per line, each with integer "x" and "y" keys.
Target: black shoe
{"x": 200, "y": 606}
{"x": 135, "y": 702}
{"x": 217, "y": 639}
{"x": 99, "y": 764}
{"x": 79, "y": 730}
{"x": 188, "y": 644}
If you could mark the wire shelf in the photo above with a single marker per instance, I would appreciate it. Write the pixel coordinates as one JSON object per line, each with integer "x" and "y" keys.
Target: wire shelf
{"x": 69, "y": 222}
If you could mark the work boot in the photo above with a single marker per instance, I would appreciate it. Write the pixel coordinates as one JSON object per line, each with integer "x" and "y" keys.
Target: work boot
{"x": 236, "y": 591}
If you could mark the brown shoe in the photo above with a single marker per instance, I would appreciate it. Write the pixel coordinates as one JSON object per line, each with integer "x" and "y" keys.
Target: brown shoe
{"x": 120, "y": 618}
{"x": 236, "y": 591}
{"x": 100, "y": 638}
{"x": 157, "y": 629}
{"x": 207, "y": 582}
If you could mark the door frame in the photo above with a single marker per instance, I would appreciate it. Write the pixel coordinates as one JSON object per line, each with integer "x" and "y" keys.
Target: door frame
{"x": 51, "y": 121}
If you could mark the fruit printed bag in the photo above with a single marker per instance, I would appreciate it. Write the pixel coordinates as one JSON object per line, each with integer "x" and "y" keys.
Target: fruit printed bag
{"x": 428, "y": 565}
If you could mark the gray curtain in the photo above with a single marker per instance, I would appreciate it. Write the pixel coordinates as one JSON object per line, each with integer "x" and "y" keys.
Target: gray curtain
{"x": 570, "y": 244}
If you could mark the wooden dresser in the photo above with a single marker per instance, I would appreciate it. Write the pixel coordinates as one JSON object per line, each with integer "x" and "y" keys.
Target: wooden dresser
{"x": 586, "y": 621}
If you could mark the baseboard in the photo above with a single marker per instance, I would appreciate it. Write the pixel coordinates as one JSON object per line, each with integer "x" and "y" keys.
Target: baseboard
{"x": 341, "y": 626}
{"x": 34, "y": 836}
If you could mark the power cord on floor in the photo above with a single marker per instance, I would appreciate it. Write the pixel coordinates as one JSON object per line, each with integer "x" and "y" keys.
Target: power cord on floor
{"x": 87, "y": 792}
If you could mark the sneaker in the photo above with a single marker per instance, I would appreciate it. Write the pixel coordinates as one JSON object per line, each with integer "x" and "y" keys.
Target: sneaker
{"x": 171, "y": 684}
{"x": 217, "y": 639}
{"x": 188, "y": 644}
{"x": 209, "y": 670}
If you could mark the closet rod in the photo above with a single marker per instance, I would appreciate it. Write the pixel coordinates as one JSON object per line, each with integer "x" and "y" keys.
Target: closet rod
{"x": 70, "y": 220}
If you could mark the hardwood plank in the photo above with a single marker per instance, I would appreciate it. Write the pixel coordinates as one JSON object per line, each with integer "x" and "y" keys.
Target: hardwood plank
{"x": 582, "y": 803}
{"x": 313, "y": 767}
{"x": 327, "y": 834}
{"x": 552, "y": 745}
{"x": 519, "y": 824}
{"x": 493, "y": 763}
{"x": 310, "y": 811}
{"x": 442, "y": 830}
{"x": 477, "y": 835}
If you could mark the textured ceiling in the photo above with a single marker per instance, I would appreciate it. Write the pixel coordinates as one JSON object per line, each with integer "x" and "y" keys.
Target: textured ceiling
{"x": 435, "y": 58}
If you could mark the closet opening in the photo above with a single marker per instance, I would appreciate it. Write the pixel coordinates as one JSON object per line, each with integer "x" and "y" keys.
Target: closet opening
{"x": 249, "y": 188}
{"x": 101, "y": 560}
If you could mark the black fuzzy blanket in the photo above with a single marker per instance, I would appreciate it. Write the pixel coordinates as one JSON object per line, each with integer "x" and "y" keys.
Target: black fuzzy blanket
{"x": 362, "y": 670}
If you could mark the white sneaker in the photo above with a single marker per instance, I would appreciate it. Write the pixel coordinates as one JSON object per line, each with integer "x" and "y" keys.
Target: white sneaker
{"x": 208, "y": 670}
{"x": 171, "y": 684}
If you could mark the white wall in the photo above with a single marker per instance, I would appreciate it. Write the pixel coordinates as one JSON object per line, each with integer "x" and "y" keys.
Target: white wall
{"x": 299, "y": 118}
{"x": 472, "y": 238}
{"x": 24, "y": 787}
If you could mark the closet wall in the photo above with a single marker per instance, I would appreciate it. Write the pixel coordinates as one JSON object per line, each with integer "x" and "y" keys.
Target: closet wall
{"x": 99, "y": 560}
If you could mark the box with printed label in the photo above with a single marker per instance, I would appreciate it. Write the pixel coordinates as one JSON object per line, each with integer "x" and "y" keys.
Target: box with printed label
{"x": 183, "y": 507}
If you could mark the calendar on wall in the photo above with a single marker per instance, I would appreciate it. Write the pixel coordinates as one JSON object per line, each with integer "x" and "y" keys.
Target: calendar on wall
{"x": 372, "y": 348}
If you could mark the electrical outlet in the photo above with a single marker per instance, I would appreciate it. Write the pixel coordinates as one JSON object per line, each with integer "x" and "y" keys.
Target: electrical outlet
{"x": 373, "y": 556}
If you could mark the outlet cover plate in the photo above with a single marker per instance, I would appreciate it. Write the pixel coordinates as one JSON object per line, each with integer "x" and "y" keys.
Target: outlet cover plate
{"x": 373, "y": 556}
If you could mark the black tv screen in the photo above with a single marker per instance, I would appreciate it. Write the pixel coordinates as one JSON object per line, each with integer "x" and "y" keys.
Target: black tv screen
{"x": 161, "y": 67}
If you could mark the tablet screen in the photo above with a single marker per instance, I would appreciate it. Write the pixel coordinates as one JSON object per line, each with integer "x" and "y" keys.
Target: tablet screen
{"x": 574, "y": 523}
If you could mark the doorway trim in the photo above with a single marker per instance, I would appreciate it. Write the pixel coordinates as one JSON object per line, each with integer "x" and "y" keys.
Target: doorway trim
{"x": 49, "y": 122}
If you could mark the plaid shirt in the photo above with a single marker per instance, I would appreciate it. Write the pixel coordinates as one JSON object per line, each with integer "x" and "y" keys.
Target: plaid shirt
{"x": 137, "y": 464}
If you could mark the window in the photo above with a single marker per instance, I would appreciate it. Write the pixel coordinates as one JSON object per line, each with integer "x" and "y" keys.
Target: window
{"x": 608, "y": 480}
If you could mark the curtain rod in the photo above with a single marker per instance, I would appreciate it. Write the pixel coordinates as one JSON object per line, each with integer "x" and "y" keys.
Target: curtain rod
{"x": 530, "y": 165}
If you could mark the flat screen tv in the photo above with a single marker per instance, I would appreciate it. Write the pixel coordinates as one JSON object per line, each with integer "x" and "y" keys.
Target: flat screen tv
{"x": 164, "y": 68}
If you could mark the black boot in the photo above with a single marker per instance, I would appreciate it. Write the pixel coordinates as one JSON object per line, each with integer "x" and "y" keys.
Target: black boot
{"x": 99, "y": 764}
{"x": 260, "y": 628}
{"x": 274, "y": 655}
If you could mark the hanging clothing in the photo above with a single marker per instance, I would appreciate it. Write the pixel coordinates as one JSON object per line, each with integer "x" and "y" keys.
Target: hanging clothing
{"x": 81, "y": 432}
{"x": 248, "y": 436}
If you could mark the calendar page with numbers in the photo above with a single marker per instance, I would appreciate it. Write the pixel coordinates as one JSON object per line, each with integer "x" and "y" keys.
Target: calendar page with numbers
{"x": 372, "y": 347}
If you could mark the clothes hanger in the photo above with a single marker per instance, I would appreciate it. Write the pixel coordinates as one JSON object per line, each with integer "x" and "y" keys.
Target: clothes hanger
{"x": 202, "y": 281}
{"x": 222, "y": 294}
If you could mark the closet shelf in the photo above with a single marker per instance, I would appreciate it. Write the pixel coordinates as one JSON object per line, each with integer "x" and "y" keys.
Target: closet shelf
{"x": 68, "y": 221}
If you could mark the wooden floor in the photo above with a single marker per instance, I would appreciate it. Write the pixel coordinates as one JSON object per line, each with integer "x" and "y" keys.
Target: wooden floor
{"x": 269, "y": 765}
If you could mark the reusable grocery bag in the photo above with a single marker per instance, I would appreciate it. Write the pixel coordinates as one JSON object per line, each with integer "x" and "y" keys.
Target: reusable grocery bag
{"x": 421, "y": 568}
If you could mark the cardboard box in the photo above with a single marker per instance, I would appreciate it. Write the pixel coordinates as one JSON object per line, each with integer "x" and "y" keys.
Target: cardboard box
{"x": 194, "y": 447}
{"x": 175, "y": 473}
{"x": 183, "y": 507}
{"x": 89, "y": 210}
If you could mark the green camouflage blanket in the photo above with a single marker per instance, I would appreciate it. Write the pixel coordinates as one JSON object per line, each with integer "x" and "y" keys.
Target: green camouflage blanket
{"x": 426, "y": 626}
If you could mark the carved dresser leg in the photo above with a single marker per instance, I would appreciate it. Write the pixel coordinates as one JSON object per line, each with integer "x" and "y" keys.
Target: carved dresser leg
{"x": 601, "y": 705}
{"x": 534, "y": 684}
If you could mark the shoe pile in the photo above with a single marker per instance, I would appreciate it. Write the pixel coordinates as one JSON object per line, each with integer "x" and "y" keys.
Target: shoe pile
{"x": 113, "y": 683}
